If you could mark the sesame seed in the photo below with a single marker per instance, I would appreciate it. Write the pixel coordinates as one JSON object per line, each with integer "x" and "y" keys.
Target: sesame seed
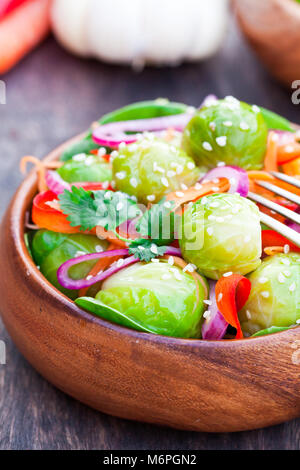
{"x": 171, "y": 173}
{"x": 232, "y": 180}
{"x": 220, "y": 164}
{"x": 179, "y": 194}
{"x": 177, "y": 276}
{"x": 114, "y": 154}
{"x": 198, "y": 186}
{"x": 265, "y": 294}
{"x": 191, "y": 165}
{"x": 227, "y": 123}
{"x": 210, "y": 231}
{"x": 120, "y": 263}
{"x": 189, "y": 267}
{"x": 155, "y": 260}
{"x": 183, "y": 186}
{"x": 286, "y": 261}
{"x": 212, "y": 126}
{"x": 228, "y": 274}
{"x": 179, "y": 169}
{"x": 165, "y": 277}
{"x": 89, "y": 277}
{"x": 79, "y": 253}
{"x": 151, "y": 197}
{"x": 89, "y": 160}
{"x": 122, "y": 145}
{"x": 165, "y": 182}
{"x": 99, "y": 249}
{"x": 255, "y": 108}
{"x": 121, "y": 175}
{"x": 168, "y": 205}
{"x": 171, "y": 260}
{"x": 287, "y": 273}
{"x": 286, "y": 249}
{"x": 215, "y": 204}
{"x": 206, "y": 314}
{"x": 153, "y": 249}
{"x": 215, "y": 188}
{"x": 207, "y": 146}
{"x": 204, "y": 200}
{"x": 220, "y": 297}
{"x": 263, "y": 280}
{"x": 133, "y": 182}
{"x": 244, "y": 126}
{"x": 101, "y": 152}
{"x": 248, "y": 314}
{"x": 292, "y": 287}
{"x": 289, "y": 148}
{"x": 120, "y": 206}
{"x": 207, "y": 302}
{"x": 281, "y": 278}
{"x": 80, "y": 157}
{"x": 105, "y": 184}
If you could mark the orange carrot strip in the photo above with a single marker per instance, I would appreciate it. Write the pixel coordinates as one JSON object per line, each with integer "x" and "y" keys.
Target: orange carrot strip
{"x": 101, "y": 265}
{"x": 271, "y": 155}
{"x": 193, "y": 194}
{"x": 22, "y": 30}
{"x": 292, "y": 168}
{"x": 273, "y": 250}
{"x": 288, "y": 152}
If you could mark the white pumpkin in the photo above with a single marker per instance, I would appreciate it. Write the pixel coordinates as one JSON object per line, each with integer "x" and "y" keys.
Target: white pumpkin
{"x": 141, "y": 31}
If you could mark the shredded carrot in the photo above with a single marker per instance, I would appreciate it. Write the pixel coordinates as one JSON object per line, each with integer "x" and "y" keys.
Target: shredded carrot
{"x": 288, "y": 152}
{"x": 292, "y": 168}
{"x": 101, "y": 265}
{"x": 193, "y": 193}
{"x": 264, "y": 176}
{"x": 271, "y": 155}
{"x": 273, "y": 250}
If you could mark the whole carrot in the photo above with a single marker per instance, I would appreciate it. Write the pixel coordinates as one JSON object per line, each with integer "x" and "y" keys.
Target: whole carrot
{"x": 21, "y": 30}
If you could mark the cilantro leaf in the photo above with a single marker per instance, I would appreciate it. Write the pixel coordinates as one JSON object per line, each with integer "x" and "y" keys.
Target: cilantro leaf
{"x": 158, "y": 223}
{"x": 146, "y": 250}
{"x": 87, "y": 209}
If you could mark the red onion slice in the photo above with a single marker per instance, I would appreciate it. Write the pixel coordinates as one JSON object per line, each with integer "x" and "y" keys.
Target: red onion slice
{"x": 215, "y": 326}
{"x": 69, "y": 283}
{"x": 55, "y": 182}
{"x": 113, "y": 134}
{"x": 237, "y": 177}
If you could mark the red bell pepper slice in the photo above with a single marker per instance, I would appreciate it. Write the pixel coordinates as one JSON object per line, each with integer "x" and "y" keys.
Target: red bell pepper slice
{"x": 272, "y": 238}
{"x": 49, "y": 218}
{"x": 92, "y": 186}
{"x": 232, "y": 293}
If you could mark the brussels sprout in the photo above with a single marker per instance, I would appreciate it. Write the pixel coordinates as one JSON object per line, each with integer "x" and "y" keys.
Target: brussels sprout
{"x": 229, "y": 131}
{"x": 50, "y": 250}
{"x": 85, "y": 168}
{"x": 149, "y": 169}
{"x": 156, "y": 296}
{"x": 274, "y": 299}
{"x": 221, "y": 233}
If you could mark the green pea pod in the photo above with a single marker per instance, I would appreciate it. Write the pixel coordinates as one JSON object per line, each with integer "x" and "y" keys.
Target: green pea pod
{"x": 271, "y": 330}
{"x": 108, "y": 313}
{"x": 276, "y": 122}
{"x": 96, "y": 171}
{"x": 140, "y": 110}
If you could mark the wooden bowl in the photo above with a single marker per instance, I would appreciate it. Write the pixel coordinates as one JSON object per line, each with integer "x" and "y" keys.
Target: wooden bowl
{"x": 272, "y": 27}
{"x": 186, "y": 384}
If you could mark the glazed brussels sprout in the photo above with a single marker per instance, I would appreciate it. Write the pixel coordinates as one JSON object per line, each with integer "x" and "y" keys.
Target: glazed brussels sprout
{"x": 149, "y": 169}
{"x": 227, "y": 131}
{"x": 85, "y": 168}
{"x": 157, "y": 297}
{"x": 221, "y": 233}
{"x": 274, "y": 299}
{"x": 50, "y": 250}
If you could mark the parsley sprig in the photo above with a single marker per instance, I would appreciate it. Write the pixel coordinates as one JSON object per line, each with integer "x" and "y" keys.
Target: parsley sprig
{"x": 87, "y": 209}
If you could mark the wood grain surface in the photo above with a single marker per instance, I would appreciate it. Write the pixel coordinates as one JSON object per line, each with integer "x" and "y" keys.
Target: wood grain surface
{"x": 50, "y": 97}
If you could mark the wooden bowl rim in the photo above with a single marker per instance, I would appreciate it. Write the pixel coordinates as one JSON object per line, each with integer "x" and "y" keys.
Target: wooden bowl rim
{"x": 17, "y": 226}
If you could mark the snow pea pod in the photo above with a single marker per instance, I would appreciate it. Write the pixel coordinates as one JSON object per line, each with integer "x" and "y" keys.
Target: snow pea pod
{"x": 140, "y": 110}
{"x": 271, "y": 331}
{"x": 275, "y": 121}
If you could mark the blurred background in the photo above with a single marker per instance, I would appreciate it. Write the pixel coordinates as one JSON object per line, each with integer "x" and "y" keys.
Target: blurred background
{"x": 64, "y": 63}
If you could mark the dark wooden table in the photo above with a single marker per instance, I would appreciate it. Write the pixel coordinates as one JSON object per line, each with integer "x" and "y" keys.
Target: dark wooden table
{"x": 50, "y": 97}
